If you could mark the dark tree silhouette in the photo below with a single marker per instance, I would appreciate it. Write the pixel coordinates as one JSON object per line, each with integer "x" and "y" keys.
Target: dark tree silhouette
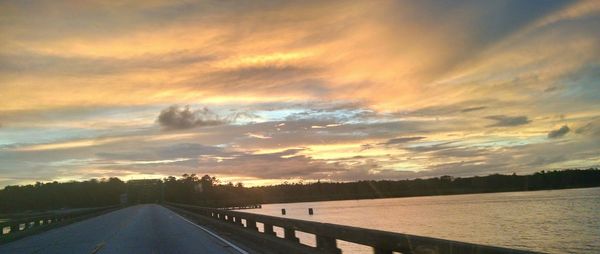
{"x": 209, "y": 191}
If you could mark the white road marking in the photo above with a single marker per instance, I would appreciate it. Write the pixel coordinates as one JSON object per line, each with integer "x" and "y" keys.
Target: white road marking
{"x": 238, "y": 249}
{"x": 98, "y": 247}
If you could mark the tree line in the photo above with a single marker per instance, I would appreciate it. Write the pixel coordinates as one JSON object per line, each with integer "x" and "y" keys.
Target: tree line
{"x": 444, "y": 185}
{"x": 209, "y": 191}
{"x": 55, "y": 195}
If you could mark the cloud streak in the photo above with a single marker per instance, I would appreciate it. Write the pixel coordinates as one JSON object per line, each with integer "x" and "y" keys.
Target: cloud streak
{"x": 396, "y": 141}
{"x": 508, "y": 121}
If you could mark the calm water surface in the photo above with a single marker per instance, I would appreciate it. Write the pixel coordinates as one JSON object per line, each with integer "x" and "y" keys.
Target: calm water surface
{"x": 555, "y": 221}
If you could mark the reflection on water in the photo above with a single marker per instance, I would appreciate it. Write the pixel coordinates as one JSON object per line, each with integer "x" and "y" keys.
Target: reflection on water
{"x": 556, "y": 221}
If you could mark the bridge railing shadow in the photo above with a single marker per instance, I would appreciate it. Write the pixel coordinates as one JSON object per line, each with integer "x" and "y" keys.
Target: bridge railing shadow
{"x": 327, "y": 234}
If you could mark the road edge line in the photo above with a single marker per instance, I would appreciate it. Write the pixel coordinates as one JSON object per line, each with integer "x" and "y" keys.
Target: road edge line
{"x": 238, "y": 249}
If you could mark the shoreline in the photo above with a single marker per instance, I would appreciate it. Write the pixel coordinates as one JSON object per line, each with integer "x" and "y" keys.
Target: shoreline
{"x": 437, "y": 195}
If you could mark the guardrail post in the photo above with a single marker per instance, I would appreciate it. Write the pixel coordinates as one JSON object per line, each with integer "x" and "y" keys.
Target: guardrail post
{"x": 327, "y": 244}
{"x": 251, "y": 224}
{"x": 268, "y": 229}
{"x": 290, "y": 234}
{"x": 11, "y": 229}
{"x": 381, "y": 251}
{"x": 238, "y": 221}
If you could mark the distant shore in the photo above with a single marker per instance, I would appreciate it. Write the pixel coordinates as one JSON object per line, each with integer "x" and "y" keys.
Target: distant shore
{"x": 445, "y": 185}
{"x": 435, "y": 195}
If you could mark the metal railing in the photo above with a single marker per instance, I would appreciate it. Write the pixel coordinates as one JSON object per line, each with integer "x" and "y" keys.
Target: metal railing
{"x": 327, "y": 234}
{"x": 22, "y": 223}
{"x": 241, "y": 207}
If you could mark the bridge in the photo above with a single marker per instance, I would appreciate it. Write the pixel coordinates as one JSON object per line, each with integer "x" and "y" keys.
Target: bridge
{"x": 146, "y": 228}
{"x": 178, "y": 228}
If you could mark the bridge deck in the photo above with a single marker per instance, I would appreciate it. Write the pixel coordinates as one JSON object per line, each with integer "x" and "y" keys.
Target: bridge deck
{"x": 137, "y": 229}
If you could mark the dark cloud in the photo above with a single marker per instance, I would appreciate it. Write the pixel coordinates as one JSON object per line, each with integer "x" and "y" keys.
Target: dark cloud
{"x": 300, "y": 133}
{"x": 551, "y": 89}
{"x": 46, "y": 64}
{"x": 278, "y": 165}
{"x": 261, "y": 73}
{"x": 559, "y": 133}
{"x": 430, "y": 111}
{"x": 403, "y": 140}
{"x": 166, "y": 152}
{"x": 473, "y": 109}
{"x": 366, "y": 147}
{"x": 507, "y": 121}
{"x": 270, "y": 79}
{"x": 486, "y": 29}
{"x": 467, "y": 168}
{"x": 96, "y": 19}
{"x": 546, "y": 160}
{"x": 461, "y": 152}
{"x": 431, "y": 148}
{"x": 592, "y": 128}
{"x": 450, "y": 150}
{"x": 176, "y": 118}
{"x": 449, "y": 109}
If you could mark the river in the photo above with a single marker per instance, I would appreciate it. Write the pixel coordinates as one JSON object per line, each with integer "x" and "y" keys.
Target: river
{"x": 554, "y": 221}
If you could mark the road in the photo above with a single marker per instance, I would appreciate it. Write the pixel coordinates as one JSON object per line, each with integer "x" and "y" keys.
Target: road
{"x": 136, "y": 229}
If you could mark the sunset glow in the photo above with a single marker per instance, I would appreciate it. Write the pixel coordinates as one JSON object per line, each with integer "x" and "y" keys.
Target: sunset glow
{"x": 263, "y": 92}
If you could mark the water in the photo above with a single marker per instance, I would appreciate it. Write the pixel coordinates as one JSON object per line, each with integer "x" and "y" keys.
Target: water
{"x": 555, "y": 221}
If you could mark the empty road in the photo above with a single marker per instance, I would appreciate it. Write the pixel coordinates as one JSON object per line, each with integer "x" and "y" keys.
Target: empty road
{"x": 136, "y": 229}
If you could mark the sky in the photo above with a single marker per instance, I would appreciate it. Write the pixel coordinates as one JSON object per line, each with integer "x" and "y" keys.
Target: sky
{"x": 263, "y": 92}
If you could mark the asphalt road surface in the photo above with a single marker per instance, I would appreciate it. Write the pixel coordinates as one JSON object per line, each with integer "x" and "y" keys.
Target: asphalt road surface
{"x": 137, "y": 229}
